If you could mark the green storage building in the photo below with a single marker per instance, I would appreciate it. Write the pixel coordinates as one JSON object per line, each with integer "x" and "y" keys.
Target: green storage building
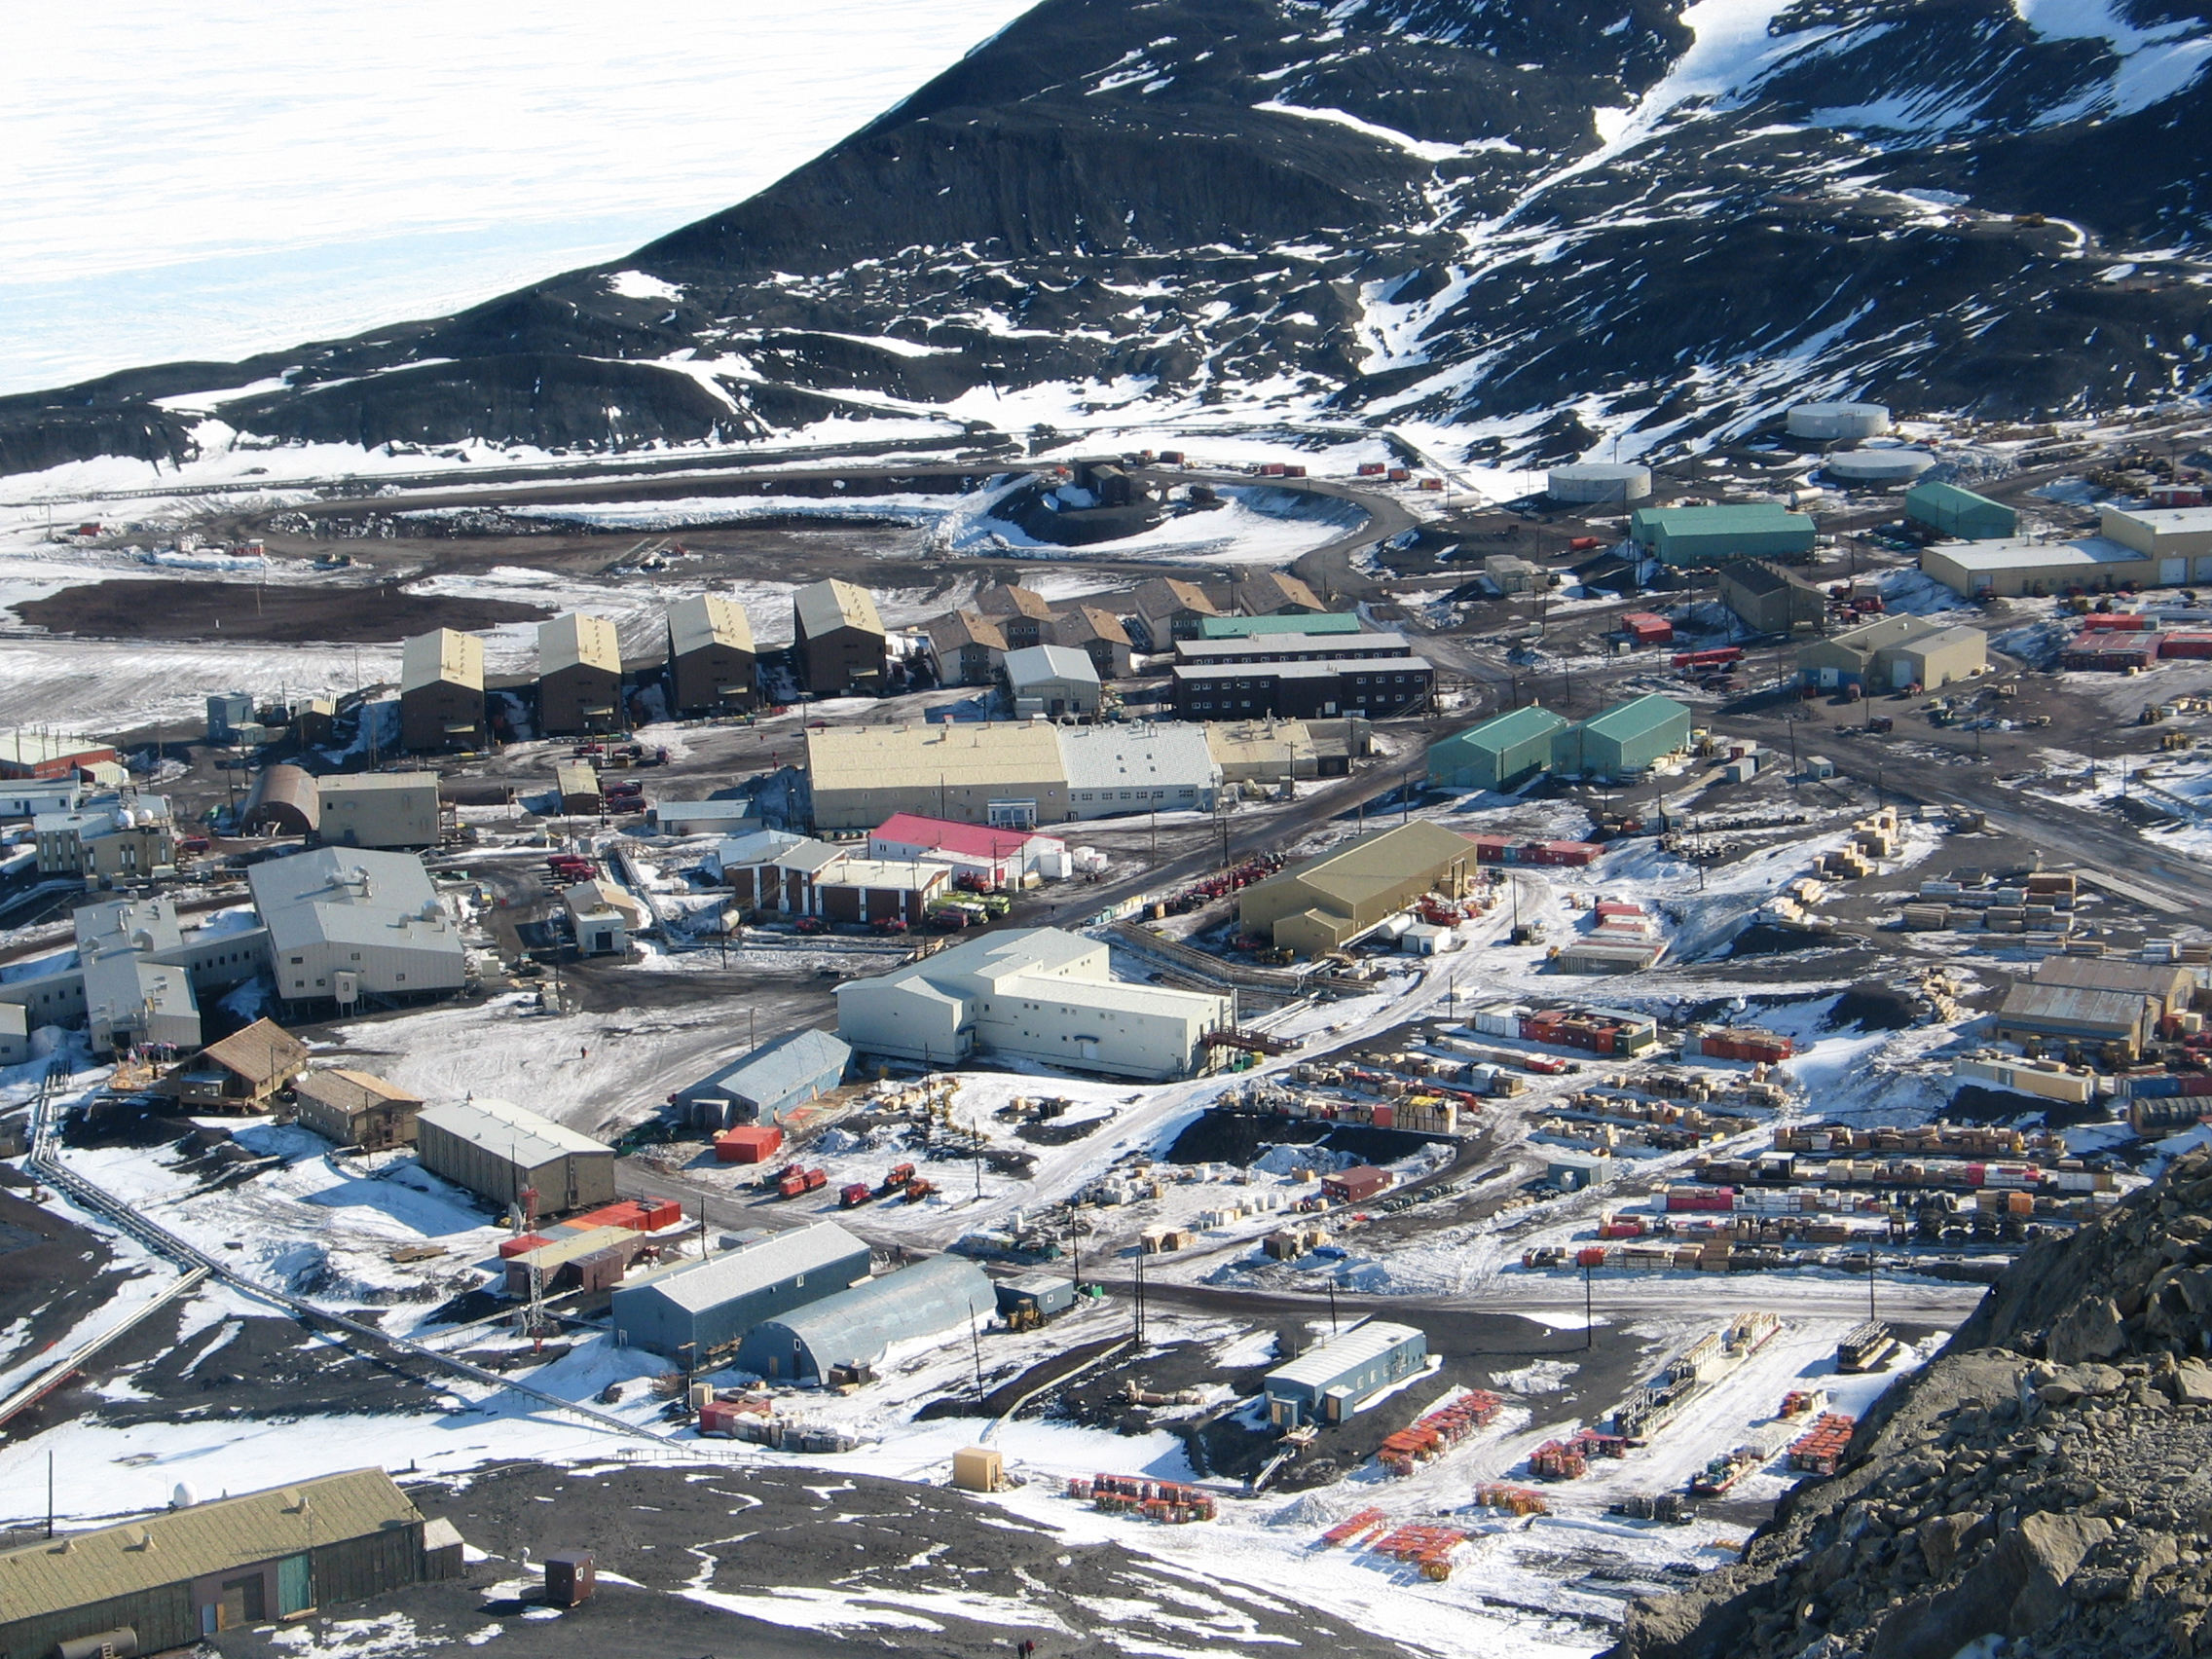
{"x": 1500, "y": 754}
{"x": 1713, "y": 535}
{"x": 1959, "y": 514}
{"x": 1305, "y": 622}
{"x": 1623, "y": 742}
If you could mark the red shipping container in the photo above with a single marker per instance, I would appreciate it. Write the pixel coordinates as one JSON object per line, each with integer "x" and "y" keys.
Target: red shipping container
{"x": 1384, "y": 1117}
{"x": 1616, "y": 908}
{"x": 1399, "y": 475}
{"x": 1371, "y": 470}
{"x": 1648, "y": 629}
{"x": 748, "y": 1143}
{"x": 1488, "y": 849}
{"x": 2185, "y": 645}
{"x": 719, "y": 1418}
{"x": 521, "y": 1242}
{"x": 2117, "y": 621}
{"x": 1590, "y": 1256}
{"x": 658, "y": 1213}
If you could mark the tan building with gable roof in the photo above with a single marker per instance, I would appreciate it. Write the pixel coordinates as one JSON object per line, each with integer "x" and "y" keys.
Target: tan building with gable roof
{"x": 1171, "y": 610}
{"x": 355, "y": 1108}
{"x": 710, "y": 656}
{"x": 1273, "y": 593}
{"x": 245, "y": 1072}
{"x": 1315, "y": 906}
{"x": 579, "y": 676}
{"x": 1008, "y": 774}
{"x": 1098, "y": 633}
{"x": 441, "y": 691}
{"x": 837, "y": 639}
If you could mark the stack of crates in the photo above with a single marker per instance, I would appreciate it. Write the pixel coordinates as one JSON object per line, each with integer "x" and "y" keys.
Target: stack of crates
{"x": 1169, "y": 1501}
{"x": 1820, "y": 1448}
{"x": 1557, "y": 1460}
{"x": 1440, "y": 1430}
{"x": 1513, "y": 1499}
{"x": 1351, "y": 1528}
{"x": 1428, "y": 1548}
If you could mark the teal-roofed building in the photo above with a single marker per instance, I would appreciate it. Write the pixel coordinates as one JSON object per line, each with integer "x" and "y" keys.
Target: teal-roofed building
{"x": 1502, "y": 753}
{"x": 1303, "y": 622}
{"x": 1624, "y": 742}
{"x": 1959, "y": 515}
{"x": 1714, "y": 536}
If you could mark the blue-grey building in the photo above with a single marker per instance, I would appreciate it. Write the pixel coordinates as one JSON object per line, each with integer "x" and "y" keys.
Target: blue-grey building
{"x": 855, "y": 1327}
{"x": 1328, "y": 1381}
{"x": 759, "y": 1087}
{"x": 708, "y": 1305}
{"x": 1034, "y": 1297}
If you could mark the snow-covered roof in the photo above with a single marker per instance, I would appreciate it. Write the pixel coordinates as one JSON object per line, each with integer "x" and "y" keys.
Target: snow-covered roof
{"x": 1033, "y": 664}
{"x": 1138, "y": 751}
{"x": 354, "y": 895}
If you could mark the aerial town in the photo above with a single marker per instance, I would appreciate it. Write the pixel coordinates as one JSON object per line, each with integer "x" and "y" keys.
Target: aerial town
{"x": 1437, "y": 1070}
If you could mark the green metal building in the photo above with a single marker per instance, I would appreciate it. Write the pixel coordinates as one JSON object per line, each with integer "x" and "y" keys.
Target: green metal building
{"x": 1623, "y": 742}
{"x": 1959, "y": 514}
{"x": 1713, "y": 535}
{"x": 1307, "y": 622}
{"x": 1500, "y": 754}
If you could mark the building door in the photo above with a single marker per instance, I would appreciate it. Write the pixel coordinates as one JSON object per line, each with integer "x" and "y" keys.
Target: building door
{"x": 295, "y": 1586}
{"x": 1900, "y": 673}
{"x": 2172, "y": 570}
{"x": 241, "y": 1602}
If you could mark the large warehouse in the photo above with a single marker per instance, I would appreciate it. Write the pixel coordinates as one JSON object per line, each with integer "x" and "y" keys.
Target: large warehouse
{"x": 441, "y": 691}
{"x": 579, "y": 676}
{"x": 1959, "y": 515}
{"x": 1624, "y": 742}
{"x": 1327, "y": 1382}
{"x": 710, "y": 656}
{"x": 1893, "y": 652}
{"x": 1006, "y": 774}
{"x": 855, "y": 1327}
{"x": 1326, "y": 901}
{"x": 167, "y": 1581}
{"x": 1503, "y": 753}
{"x": 1034, "y": 994}
{"x": 837, "y": 640}
{"x": 346, "y": 926}
{"x": 1770, "y": 600}
{"x": 500, "y": 1151}
{"x": 692, "y": 1309}
{"x": 1713, "y": 535}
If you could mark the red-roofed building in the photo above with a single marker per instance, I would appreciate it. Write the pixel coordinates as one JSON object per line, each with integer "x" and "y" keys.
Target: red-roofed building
{"x": 1003, "y": 857}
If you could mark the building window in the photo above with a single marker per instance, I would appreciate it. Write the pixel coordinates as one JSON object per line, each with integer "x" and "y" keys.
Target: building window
{"x": 297, "y": 960}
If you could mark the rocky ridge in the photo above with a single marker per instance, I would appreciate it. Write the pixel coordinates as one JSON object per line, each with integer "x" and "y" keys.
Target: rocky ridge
{"x": 1526, "y": 228}
{"x": 2043, "y": 1488}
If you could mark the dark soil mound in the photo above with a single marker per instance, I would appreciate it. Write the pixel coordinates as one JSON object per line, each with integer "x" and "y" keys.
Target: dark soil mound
{"x": 167, "y": 609}
{"x": 1872, "y": 1008}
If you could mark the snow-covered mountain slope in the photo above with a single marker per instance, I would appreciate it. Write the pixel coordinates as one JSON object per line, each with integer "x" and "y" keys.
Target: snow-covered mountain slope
{"x": 1530, "y": 224}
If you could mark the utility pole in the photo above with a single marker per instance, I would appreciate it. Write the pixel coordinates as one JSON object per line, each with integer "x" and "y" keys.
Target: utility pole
{"x": 1332, "y": 1308}
{"x": 1589, "y": 1320}
{"x": 975, "y": 1348}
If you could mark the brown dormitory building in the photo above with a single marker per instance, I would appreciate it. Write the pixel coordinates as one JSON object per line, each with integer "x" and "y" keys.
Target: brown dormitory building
{"x": 579, "y": 676}
{"x": 837, "y": 640}
{"x": 441, "y": 693}
{"x": 710, "y": 656}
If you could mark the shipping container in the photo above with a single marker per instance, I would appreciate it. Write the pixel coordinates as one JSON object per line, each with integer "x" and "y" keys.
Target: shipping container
{"x": 748, "y": 1143}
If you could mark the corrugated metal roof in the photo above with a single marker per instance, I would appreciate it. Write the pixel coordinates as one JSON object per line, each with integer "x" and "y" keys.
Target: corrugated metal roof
{"x": 696, "y": 1286}
{"x": 1356, "y": 871}
{"x": 1949, "y": 497}
{"x": 2026, "y": 553}
{"x": 2074, "y": 1005}
{"x": 826, "y": 607}
{"x": 573, "y": 639}
{"x": 1730, "y": 520}
{"x": 940, "y": 834}
{"x": 1032, "y": 663}
{"x": 856, "y": 1325}
{"x": 1759, "y": 576}
{"x": 888, "y": 757}
{"x": 79, "y": 1569}
{"x": 1325, "y": 1362}
{"x": 2166, "y": 981}
{"x": 1311, "y": 623}
{"x": 708, "y": 619}
{"x": 773, "y": 1070}
{"x": 509, "y": 1131}
{"x": 376, "y": 783}
{"x": 1633, "y": 719}
{"x": 347, "y": 892}
{"x": 1946, "y": 638}
{"x": 1518, "y": 725}
{"x": 442, "y": 654}
{"x": 1207, "y": 650}
{"x": 1885, "y": 632}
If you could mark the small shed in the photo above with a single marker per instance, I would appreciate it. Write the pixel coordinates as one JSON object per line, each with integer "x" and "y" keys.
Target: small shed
{"x": 1032, "y": 1299}
{"x": 245, "y": 1072}
{"x": 979, "y": 1468}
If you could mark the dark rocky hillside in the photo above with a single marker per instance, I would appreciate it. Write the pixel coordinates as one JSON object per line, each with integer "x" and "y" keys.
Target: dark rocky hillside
{"x": 1535, "y": 221}
{"x": 2045, "y": 1482}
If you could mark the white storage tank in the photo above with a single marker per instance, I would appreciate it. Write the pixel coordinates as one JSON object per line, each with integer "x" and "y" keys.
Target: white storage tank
{"x": 1593, "y": 482}
{"x": 1879, "y": 465}
{"x": 1831, "y": 420}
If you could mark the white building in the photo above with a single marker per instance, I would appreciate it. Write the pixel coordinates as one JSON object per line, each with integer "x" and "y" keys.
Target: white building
{"x": 1141, "y": 766}
{"x": 1053, "y": 681}
{"x": 114, "y": 840}
{"x": 347, "y": 924}
{"x": 604, "y": 917}
{"x": 1037, "y": 994}
{"x": 704, "y": 817}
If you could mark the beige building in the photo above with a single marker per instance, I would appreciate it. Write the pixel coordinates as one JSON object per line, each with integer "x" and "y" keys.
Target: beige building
{"x": 1268, "y": 751}
{"x": 2179, "y": 539}
{"x": 353, "y": 1107}
{"x": 242, "y": 1073}
{"x": 1893, "y": 652}
{"x": 441, "y": 691}
{"x": 837, "y": 639}
{"x": 1316, "y": 906}
{"x": 1009, "y": 775}
{"x": 710, "y": 656}
{"x": 514, "y": 1158}
{"x": 579, "y": 676}
{"x": 603, "y": 917}
{"x": 2021, "y": 567}
{"x": 379, "y": 809}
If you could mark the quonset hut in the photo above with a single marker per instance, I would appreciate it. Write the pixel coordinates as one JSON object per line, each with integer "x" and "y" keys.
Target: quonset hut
{"x": 854, "y": 1328}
